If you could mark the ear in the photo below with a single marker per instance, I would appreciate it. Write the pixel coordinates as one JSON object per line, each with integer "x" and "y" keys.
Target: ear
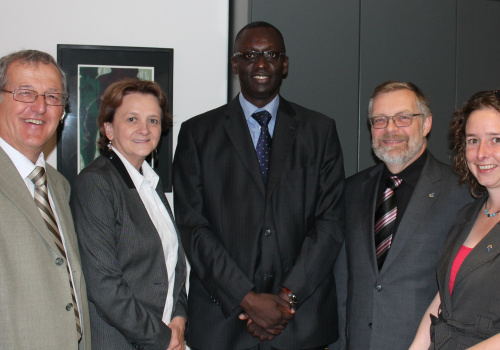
{"x": 108, "y": 130}
{"x": 285, "y": 66}
{"x": 427, "y": 125}
{"x": 234, "y": 63}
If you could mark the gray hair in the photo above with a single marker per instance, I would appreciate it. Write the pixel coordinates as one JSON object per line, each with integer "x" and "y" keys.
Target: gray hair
{"x": 29, "y": 57}
{"x": 389, "y": 86}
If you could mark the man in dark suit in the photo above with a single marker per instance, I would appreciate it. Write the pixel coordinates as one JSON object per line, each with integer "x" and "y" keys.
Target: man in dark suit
{"x": 392, "y": 258}
{"x": 43, "y": 299}
{"x": 261, "y": 230}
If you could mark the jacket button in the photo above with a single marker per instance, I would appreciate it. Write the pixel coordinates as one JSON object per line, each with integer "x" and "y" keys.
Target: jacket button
{"x": 69, "y": 306}
{"x": 59, "y": 261}
{"x": 378, "y": 287}
{"x": 268, "y": 232}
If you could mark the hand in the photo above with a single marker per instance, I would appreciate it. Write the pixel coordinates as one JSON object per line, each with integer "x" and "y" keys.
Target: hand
{"x": 269, "y": 312}
{"x": 255, "y": 331}
{"x": 177, "y": 325}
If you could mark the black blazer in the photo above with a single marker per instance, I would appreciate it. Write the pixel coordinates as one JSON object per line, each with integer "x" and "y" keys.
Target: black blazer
{"x": 473, "y": 313}
{"x": 241, "y": 235}
{"x": 386, "y": 307}
{"x": 123, "y": 259}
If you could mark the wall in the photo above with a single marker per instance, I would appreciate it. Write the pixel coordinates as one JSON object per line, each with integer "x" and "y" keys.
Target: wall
{"x": 196, "y": 29}
{"x": 340, "y": 50}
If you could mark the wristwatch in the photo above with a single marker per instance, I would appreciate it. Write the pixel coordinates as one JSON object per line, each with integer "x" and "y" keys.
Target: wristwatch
{"x": 292, "y": 298}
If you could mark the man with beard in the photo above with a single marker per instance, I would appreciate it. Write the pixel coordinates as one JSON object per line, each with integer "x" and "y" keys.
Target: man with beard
{"x": 261, "y": 230}
{"x": 398, "y": 214}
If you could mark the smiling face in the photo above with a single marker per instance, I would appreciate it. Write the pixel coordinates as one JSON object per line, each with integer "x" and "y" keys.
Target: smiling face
{"x": 136, "y": 127}
{"x": 398, "y": 147}
{"x": 260, "y": 81}
{"x": 482, "y": 150}
{"x": 28, "y": 126}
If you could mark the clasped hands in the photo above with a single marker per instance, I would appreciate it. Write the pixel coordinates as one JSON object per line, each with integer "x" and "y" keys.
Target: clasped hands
{"x": 267, "y": 315}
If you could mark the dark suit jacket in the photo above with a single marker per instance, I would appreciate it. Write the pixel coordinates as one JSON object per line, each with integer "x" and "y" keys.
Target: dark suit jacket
{"x": 241, "y": 235}
{"x": 123, "y": 259}
{"x": 34, "y": 289}
{"x": 387, "y": 307}
{"x": 474, "y": 310}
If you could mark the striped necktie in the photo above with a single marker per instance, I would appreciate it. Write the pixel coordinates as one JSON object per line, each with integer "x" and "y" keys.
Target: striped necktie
{"x": 263, "y": 147}
{"x": 385, "y": 217}
{"x": 39, "y": 179}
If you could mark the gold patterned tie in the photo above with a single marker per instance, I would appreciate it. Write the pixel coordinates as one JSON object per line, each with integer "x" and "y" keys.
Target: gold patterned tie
{"x": 39, "y": 178}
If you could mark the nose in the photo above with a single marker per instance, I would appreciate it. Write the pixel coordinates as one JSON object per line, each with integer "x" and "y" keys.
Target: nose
{"x": 483, "y": 151}
{"x": 39, "y": 106}
{"x": 261, "y": 61}
{"x": 143, "y": 127}
{"x": 391, "y": 125}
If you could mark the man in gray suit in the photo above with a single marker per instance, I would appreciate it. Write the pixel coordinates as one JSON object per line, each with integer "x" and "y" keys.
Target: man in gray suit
{"x": 394, "y": 235}
{"x": 43, "y": 302}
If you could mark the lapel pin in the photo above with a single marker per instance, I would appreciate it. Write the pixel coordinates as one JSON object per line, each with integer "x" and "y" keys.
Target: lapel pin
{"x": 431, "y": 195}
{"x": 489, "y": 248}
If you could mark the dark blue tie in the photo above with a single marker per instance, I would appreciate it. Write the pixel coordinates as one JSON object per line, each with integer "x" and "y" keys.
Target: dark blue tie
{"x": 264, "y": 143}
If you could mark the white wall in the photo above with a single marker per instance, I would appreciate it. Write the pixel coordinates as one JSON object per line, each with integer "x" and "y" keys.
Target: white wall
{"x": 197, "y": 30}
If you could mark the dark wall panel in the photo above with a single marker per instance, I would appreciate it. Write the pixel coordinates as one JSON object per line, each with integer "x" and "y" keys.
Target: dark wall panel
{"x": 321, "y": 38}
{"x": 410, "y": 41}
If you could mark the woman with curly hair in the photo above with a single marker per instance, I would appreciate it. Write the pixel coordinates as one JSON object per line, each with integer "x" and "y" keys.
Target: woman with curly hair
{"x": 465, "y": 314}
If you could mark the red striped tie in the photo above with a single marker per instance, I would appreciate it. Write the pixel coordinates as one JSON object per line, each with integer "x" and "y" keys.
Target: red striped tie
{"x": 385, "y": 217}
{"x": 39, "y": 178}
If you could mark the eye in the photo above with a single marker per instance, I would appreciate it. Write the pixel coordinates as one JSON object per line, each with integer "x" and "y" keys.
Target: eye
{"x": 131, "y": 119}
{"x": 249, "y": 55}
{"x": 404, "y": 117}
{"x": 496, "y": 140}
{"x": 378, "y": 120}
{"x": 154, "y": 121}
{"x": 472, "y": 141}
{"x": 53, "y": 98}
{"x": 271, "y": 54}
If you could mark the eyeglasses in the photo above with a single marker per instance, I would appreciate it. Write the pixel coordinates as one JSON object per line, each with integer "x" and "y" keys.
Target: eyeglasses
{"x": 30, "y": 96}
{"x": 252, "y": 56}
{"x": 400, "y": 120}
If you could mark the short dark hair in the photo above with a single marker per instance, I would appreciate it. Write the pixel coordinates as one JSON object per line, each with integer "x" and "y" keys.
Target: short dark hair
{"x": 113, "y": 98}
{"x": 478, "y": 101}
{"x": 391, "y": 85}
{"x": 29, "y": 57}
{"x": 259, "y": 24}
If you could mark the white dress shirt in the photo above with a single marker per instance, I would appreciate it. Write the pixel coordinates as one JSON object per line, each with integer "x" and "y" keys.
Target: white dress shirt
{"x": 146, "y": 186}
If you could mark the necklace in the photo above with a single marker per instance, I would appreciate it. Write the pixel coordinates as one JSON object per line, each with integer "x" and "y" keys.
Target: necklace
{"x": 486, "y": 212}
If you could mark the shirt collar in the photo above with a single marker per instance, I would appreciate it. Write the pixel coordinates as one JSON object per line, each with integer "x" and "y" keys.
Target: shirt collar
{"x": 411, "y": 174}
{"x": 149, "y": 178}
{"x": 249, "y": 108}
{"x": 23, "y": 165}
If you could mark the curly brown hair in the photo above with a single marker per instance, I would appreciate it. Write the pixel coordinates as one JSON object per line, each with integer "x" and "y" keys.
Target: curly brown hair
{"x": 478, "y": 101}
{"x": 113, "y": 98}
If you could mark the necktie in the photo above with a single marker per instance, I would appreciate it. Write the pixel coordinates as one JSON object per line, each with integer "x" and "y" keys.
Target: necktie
{"x": 385, "y": 217}
{"x": 39, "y": 178}
{"x": 264, "y": 143}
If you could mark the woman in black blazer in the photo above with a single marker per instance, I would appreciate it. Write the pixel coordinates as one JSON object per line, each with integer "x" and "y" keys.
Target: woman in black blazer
{"x": 131, "y": 255}
{"x": 466, "y": 312}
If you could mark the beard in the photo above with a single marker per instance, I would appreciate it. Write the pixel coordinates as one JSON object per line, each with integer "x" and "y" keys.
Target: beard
{"x": 398, "y": 154}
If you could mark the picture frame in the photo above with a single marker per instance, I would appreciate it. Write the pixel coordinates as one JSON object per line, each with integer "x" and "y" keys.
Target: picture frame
{"x": 89, "y": 70}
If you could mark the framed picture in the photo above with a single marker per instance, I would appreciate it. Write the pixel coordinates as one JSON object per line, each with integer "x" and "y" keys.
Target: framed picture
{"x": 89, "y": 71}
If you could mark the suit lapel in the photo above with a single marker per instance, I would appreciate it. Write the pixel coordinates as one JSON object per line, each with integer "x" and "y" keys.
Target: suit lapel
{"x": 283, "y": 138}
{"x": 370, "y": 188}
{"x": 15, "y": 189}
{"x": 423, "y": 198}
{"x": 487, "y": 249}
{"x": 455, "y": 240}
{"x": 237, "y": 129}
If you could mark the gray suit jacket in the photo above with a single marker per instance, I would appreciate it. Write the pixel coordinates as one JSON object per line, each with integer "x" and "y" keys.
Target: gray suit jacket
{"x": 473, "y": 314}
{"x": 242, "y": 235}
{"x": 123, "y": 259}
{"x": 34, "y": 290}
{"x": 384, "y": 309}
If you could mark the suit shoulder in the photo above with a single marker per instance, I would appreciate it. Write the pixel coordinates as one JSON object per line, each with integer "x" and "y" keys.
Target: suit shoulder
{"x": 100, "y": 170}
{"x": 358, "y": 178}
{"x": 308, "y": 114}
{"x": 206, "y": 117}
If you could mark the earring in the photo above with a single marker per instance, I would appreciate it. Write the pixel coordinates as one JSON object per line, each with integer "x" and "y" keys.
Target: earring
{"x": 62, "y": 117}
{"x": 109, "y": 144}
